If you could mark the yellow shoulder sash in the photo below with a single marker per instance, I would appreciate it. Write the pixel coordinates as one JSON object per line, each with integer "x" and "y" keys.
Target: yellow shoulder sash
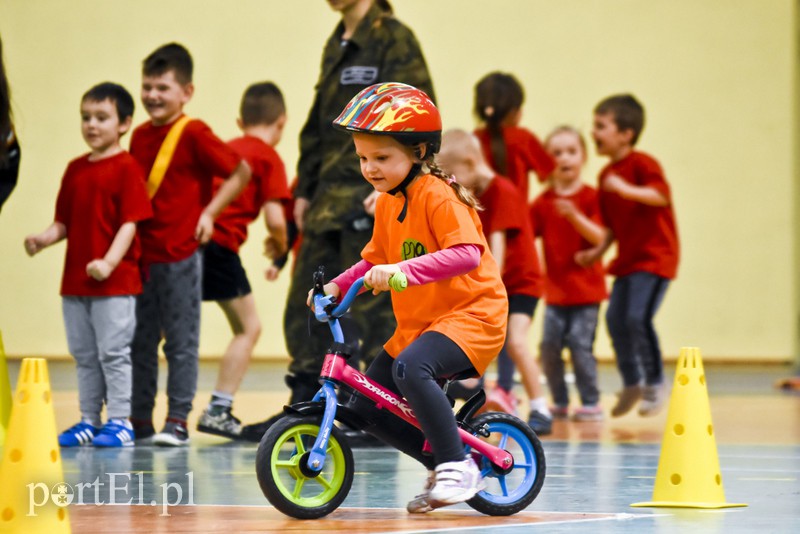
{"x": 164, "y": 156}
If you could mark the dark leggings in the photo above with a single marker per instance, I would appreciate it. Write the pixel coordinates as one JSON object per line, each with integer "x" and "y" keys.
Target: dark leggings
{"x": 413, "y": 375}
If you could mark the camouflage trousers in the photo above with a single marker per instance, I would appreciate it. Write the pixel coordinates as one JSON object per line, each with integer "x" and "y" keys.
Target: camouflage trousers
{"x": 371, "y": 321}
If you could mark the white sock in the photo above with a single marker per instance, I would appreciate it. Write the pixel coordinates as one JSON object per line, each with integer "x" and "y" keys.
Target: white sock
{"x": 540, "y": 405}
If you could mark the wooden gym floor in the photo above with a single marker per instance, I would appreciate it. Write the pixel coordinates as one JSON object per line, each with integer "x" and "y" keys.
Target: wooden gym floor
{"x": 594, "y": 470}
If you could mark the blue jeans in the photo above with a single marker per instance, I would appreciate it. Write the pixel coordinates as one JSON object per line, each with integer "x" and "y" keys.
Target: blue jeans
{"x": 634, "y": 301}
{"x": 575, "y": 328}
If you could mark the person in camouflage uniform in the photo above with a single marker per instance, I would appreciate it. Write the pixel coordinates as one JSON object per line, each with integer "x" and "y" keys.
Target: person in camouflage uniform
{"x": 333, "y": 203}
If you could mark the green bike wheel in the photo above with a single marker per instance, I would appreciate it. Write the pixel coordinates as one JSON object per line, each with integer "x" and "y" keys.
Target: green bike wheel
{"x": 284, "y": 477}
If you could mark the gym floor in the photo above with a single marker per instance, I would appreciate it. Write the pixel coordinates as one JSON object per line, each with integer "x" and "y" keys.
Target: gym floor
{"x": 595, "y": 471}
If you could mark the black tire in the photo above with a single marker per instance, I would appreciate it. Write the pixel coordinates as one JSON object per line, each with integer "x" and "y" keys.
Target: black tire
{"x": 508, "y": 494}
{"x": 286, "y": 482}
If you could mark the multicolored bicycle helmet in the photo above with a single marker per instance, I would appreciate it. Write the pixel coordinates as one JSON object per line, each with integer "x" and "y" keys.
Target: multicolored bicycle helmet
{"x": 395, "y": 109}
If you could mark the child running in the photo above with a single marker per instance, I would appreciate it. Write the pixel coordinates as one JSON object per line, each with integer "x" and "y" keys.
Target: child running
{"x": 508, "y": 232}
{"x": 567, "y": 218}
{"x": 512, "y": 151}
{"x": 452, "y": 318}
{"x": 636, "y": 205}
{"x": 101, "y": 199}
{"x": 262, "y": 117}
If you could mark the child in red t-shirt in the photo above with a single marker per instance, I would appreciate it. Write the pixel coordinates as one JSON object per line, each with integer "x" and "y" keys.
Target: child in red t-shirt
{"x": 636, "y": 206}
{"x": 262, "y": 118}
{"x": 181, "y": 166}
{"x": 101, "y": 200}
{"x": 508, "y": 232}
{"x": 509, "y": 149}
{"x": 567, "y": 218}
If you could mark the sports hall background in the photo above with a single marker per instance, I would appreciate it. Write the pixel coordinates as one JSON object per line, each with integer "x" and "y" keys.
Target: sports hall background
{"x": 718, "y": 78}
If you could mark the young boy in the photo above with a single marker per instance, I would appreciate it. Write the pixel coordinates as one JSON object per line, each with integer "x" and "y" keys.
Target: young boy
{"x": 101, "y": 199}
{"x": 508, "y": 232}
{"x": 636, "y": 206}
{"x": 567, "y": 218}
{"x": 181, "y": 157}
{"x": 262, "y": 118}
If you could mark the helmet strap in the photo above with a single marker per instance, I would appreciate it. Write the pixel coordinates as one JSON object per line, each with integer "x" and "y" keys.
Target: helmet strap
{"x": 401, "y": 188}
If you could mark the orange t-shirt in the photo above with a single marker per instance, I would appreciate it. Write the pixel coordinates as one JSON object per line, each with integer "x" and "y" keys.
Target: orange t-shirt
{"x": 471, "y": 309}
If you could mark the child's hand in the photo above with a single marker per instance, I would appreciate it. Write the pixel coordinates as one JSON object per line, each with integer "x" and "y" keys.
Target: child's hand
{"x": 565, "y": 208}
{"x": 204, "y": 229}
{"x": 272, "y": 272}
{"x": 370, "y": 202}
{"x": 588, "y": 256}
{"x": 99, "y": 269}
{"x": 329, "y": 289}
{"x": 274, "y": 248}
{"x": 33, "y": 244}
{"x": 615, "y": 184}
{"x": 378, "y": 277}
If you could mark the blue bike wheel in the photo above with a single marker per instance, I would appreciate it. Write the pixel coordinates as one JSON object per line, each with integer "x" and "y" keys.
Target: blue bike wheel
{"x": 508, "y": 493}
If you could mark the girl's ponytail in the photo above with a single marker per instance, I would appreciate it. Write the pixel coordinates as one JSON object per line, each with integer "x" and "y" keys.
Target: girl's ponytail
{"x": 497, "y": 95}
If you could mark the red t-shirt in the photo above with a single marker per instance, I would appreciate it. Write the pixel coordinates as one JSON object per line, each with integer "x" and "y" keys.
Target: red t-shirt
{"x": 470, "y": 309}
{"x": 524, "y": 153}
{"x": 566, "y": 282}
{"x": 267, "y": 183}
{"x": 95, "y": 199}
{"x": 504, "y": 210}
{"x": 186, "y": 190}
{"x": 647, "y": 236}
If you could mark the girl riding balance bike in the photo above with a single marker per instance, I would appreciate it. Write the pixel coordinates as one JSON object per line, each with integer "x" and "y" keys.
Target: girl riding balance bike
{"x": 451, "y": 322}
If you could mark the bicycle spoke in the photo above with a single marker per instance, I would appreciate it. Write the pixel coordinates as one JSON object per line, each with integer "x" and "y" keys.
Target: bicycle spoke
{"x": 503, "y": 486}
{"x": 298, "y": 442}
{"x": 298, "y": 487}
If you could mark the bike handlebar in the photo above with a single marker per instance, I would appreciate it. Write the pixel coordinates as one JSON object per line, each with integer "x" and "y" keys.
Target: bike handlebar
{"x": 324, "y": 304}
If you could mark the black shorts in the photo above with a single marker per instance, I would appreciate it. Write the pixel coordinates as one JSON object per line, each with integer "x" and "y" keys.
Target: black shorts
{"x": 223, "y": 275}
{"x": 522, "y": 304}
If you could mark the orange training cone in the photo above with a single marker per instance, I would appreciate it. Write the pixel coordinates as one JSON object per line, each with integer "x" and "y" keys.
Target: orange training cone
{"x": 5, "y": 393}
{"x": 33, "y": 496}
{"x": 688, "y": 469}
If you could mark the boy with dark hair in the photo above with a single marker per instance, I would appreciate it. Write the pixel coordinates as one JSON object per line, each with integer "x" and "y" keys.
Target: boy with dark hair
{"x": 182, "y": 157}
{"x": 636, "y": 207}
{"x": 262, "y": 118}
{"x": 101, "y": 199}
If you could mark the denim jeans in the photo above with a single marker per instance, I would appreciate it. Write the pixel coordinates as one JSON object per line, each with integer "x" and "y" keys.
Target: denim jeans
{"x": 573, "y": 327}
{"x": 634, "y": 301}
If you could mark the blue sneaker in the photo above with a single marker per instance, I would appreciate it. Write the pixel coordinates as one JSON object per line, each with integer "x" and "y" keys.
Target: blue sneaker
{"x": 115, "y": 433}
{"x": 77, "y": 435}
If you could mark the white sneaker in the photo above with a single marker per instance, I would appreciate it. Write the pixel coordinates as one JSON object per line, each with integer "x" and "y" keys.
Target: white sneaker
{"x": 653, "y": 398}
{"x": 421, "y": 503}
{"x": 456, "y": 482}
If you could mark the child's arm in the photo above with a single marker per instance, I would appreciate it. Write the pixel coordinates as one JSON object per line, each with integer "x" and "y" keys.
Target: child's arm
{"x": 54, "y": 233}
{"x": 226, "y": 193}
{"x": 101, "y": 268}
{"x": 589, "y": 230}
{"x": 637, "y": 193}
{"x": 439, "y": 265}
{"x": 497, "y": 246}
{"x": 588, "y": 256}
{"x": 276, "y": 244}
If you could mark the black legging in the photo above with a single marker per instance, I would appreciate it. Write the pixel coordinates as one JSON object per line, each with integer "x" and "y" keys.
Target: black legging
{"x": 413, "y": 375}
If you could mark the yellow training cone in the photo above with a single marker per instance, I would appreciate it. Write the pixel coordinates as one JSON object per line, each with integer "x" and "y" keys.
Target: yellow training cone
{"x": 33, "y": 496}
{"x": 688, "y": 469}
{"x": 5, "y": 393}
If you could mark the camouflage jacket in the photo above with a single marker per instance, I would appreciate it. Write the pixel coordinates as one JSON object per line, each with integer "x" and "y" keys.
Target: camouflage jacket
{"x": 381, "y": 49}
